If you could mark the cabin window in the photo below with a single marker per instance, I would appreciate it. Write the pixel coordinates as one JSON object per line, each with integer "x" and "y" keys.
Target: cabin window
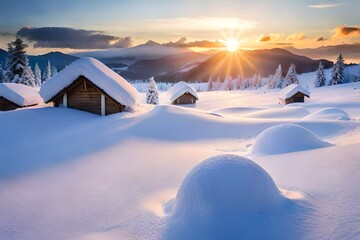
{"x": 298, "y": 99}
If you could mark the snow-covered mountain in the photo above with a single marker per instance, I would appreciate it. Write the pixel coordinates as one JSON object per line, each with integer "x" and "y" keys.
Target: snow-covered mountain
{"x": 350, "y": 52}
{"x": 246, "y": 63}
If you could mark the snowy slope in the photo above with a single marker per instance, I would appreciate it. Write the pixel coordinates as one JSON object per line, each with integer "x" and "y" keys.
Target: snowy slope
{"x": 75, "y": 175}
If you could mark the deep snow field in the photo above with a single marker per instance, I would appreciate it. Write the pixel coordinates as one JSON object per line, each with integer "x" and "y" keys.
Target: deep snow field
{"x": 67, "y": 174}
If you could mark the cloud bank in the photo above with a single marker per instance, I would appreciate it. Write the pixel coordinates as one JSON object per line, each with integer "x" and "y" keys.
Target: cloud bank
{"x": 63, "y": 37}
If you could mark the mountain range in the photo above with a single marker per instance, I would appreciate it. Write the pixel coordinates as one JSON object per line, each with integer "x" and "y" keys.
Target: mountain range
{"x": 171, "y": 64}
{"x": 245, "y": 63}
{"x": 58, "y": 59}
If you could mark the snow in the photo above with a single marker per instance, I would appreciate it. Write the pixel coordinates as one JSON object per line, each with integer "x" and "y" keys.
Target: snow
{"x": 329, "y": 114}
{"x": 20, "y": 94}
{"x": 68, "y": 174}
{"x": 285, "y": 138}
{"x": 99, "y": 74}
{"x": 179, "y": 89}
{"x": 285, "y": 112}
{"x": 227, "y": 191}
{"x": 291, "y": 90}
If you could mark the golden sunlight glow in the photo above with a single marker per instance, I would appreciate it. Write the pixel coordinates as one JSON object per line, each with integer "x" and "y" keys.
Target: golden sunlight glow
{"x": 232, "y": 44}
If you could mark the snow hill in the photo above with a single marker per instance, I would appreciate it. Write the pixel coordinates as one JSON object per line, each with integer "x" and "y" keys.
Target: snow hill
{"x": 67, "y": 174}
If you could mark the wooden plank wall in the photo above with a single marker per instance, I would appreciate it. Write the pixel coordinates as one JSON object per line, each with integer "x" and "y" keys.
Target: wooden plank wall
{"x": 6, "y": 105}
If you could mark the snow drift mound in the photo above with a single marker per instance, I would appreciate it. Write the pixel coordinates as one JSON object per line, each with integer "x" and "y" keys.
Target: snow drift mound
{"x": 285, "y": 112}
{"x": 329, "y": 114}
{"x": 285, "y": 138}
{"x": 226, "y": 184}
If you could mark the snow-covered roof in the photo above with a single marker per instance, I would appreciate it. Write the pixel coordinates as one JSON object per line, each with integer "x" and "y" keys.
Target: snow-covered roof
{"x": 99, "y": 74}
{"x": 179, "y": 89}
{"x": 291, "y": 90}
{"x": 20, "y": 94}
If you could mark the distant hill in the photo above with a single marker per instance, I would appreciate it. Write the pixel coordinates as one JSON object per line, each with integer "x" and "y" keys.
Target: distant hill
{"x": 245, "y": 63}
{"x": 121, "y": 57}
{"x": 152, "y": 67}
{"x": 350, "y": 52}
{"x": 58, "y": 59}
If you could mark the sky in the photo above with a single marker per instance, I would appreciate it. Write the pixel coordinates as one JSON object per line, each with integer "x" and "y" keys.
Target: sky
{"x": 80, "y": 25}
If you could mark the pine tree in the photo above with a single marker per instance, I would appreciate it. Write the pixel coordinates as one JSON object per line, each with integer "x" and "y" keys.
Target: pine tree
{"x": 47, "y": 72}
{"x": 291, "y": 76}
{"x": 218, "y": 83}
{"x": 152, "y": 95}
{"x": 17, "y": 64}
{"x": 337, "y": 75}
{"x": 54, "y": 71}
{"x": 227, "y": 84}
{"x": 210, "y": 86}
{"x": 1, "y": 72}
{"x": 277, "y": 79}
{"x": 37, "y": 74}
{"x": 320, "y": 76}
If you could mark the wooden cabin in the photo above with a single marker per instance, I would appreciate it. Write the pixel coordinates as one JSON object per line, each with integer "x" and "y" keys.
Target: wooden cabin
{"x": 13, "y": 96}
{"x": 88, "y": 85}
{"x": 293, "y": 94}
{"x": 182, "y": 93}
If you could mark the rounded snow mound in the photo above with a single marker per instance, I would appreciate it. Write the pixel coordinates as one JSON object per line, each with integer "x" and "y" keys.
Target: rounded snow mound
{"x": 226, "y": 184}
{"x": 286, "y": 112}
{"x": 329, "y": 114}
{"x": 285, "y": 138}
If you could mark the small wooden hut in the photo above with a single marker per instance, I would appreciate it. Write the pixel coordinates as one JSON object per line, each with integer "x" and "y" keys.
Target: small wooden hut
{"x": 182, "y": 93}
{"x": 89, "y": 85}
{"x": 13, "y": 96}
{"x": 294, "y": 93}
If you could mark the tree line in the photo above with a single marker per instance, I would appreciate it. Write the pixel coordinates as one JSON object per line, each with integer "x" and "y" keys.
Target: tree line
{"x": 278, "y": 80}
{"x": 16, "y": 68}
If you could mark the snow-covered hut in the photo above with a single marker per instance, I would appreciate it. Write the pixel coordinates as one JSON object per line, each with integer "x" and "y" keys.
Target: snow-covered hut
{"x": 89, "y": 85}
{"x": 13, "y": 96}
{"x": 294, "y": 93}
{"x": 182, "y": 93}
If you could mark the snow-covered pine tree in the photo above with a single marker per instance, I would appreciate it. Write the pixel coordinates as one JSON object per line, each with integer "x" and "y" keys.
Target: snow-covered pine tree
{"x": 337, "y": 75}
{"x": 54, "y": 71}
{"x": 291, "y": 76}
{"x": 8, "y": 75}
{"x": 269, "y": 81}
{"x": 277, "y": 79}
{"x": 227, "y": 85}
{"x": 152, "y": 94}
{"x": 253, "y": 81}
{"x": 1, "y": 72}
{"x": 320, "y": 76}
{"x": 218, "y": 84}
{"x": 237, "y": 82}
{"x": 210, "y": 85}
{"x": 17, "y": 64}
{"x": 47, "y": 72}
{"x": 37, "y": 74}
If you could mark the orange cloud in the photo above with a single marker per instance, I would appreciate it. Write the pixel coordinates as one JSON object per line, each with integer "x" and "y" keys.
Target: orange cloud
{"x": 296, "y": 37}
{"x": 344, "y": 31}
{"x": 264, "y": 39}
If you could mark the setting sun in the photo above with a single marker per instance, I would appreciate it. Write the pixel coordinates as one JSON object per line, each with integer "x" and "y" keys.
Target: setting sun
{"x": 232, "y": 44}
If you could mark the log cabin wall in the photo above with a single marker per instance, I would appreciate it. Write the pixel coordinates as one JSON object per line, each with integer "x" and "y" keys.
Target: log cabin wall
{"x": 186, "y": 98}
{"x": 6, "y": 105}
{"x": 84, "y": 95}
{"x": 298, "y": 97}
